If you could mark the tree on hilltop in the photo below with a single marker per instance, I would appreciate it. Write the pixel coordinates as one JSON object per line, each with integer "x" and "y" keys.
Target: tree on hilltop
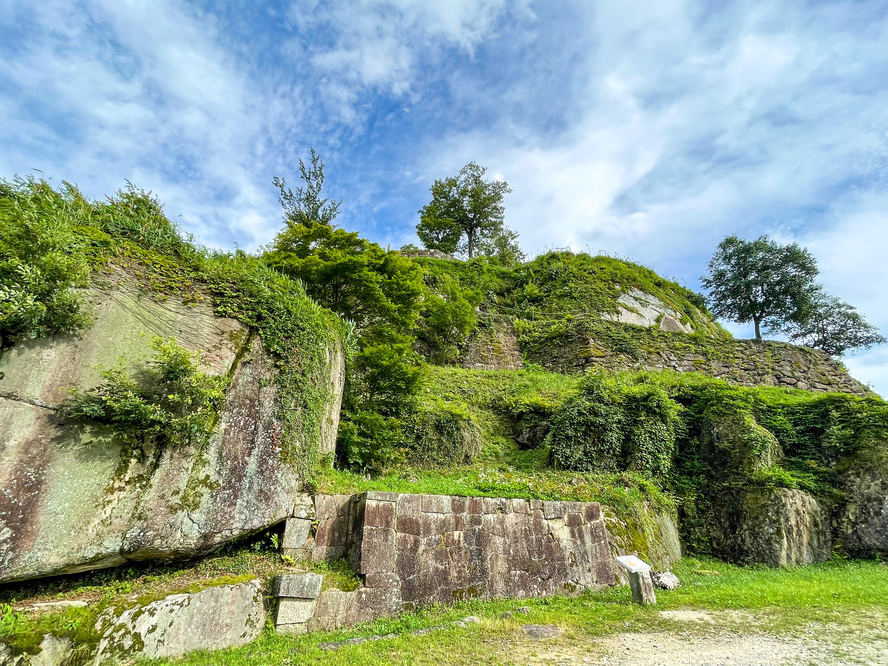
{"x": 773, "y": 285}
{"x": 833, "y": 326}
{"x": 760, "y": 281}
{"x": 305, "y": 206}
{"x": 466, "y": 215}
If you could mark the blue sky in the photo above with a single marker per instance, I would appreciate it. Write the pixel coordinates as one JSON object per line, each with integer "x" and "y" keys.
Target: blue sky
{"x": 645, "y": 130}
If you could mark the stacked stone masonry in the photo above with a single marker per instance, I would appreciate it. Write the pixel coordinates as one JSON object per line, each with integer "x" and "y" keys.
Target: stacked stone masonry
{"x": 414, "y": 550}
{"x": 742, "y": 362}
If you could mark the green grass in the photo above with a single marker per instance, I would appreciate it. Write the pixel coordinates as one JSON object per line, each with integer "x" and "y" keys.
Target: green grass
{"x": 844, "y": 596}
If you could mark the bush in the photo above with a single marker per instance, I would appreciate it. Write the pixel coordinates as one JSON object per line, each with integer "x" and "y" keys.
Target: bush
{"x": 172, "y": 404}
{"x": 443, "y": 435}
{"x": 615, "y": 425}
{"x": 40, "y": 266}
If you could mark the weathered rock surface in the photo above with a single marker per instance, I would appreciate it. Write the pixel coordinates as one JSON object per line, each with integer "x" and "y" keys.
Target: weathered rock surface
{"x": 73, "y": 500}
{"x": 665, "y": 580}
{"x": 494, "y": 347}
{"x": 54, "y": 651}
{"x": 642, "y": 309}
{"x": 213, "y": 619}
{"x": 648, "y": 533}
{"x": 734, "y": 441}
{"x": 862, "y": 522}
{"x": 774, "y": 526}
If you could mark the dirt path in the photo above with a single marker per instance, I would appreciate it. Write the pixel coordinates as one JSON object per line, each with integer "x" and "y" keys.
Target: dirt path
{"x": 708, "y": 639}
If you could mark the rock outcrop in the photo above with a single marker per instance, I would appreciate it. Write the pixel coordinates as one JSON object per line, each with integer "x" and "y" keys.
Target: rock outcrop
{"x": 774, "y": 526}
{"x": 862, "y": 520}
{"x": 215, "y": 618}
{"x": 75, "y": 499}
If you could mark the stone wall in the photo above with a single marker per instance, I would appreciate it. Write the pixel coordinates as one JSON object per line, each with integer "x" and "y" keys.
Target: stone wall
{"x": 493, "y": 346}
{"x": 613, "y": 346}
{"x": 413, "y": 550}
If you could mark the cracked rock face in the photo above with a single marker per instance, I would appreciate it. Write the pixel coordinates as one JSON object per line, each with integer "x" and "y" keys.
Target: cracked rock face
{"x": 74, "y": 500}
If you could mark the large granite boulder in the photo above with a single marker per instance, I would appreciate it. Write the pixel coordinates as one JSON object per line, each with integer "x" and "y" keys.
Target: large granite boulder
{"x": 72, "y": 500}
{"x": 774, "y": 526}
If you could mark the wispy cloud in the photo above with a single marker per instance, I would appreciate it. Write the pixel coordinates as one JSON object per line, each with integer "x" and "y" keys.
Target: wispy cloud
{"x": 645, "y": 130}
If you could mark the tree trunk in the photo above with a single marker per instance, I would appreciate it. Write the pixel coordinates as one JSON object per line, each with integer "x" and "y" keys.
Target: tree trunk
{"x": 471, "y": 240}
{"x": 758, "y": 333}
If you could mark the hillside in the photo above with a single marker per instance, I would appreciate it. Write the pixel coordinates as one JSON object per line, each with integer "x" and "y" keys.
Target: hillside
{"x": 161, "y": 402}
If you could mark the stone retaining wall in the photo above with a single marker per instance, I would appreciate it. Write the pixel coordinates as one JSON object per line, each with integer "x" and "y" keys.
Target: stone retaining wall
{"x": 617, "y": 347}
{"x": 413, "y": 550}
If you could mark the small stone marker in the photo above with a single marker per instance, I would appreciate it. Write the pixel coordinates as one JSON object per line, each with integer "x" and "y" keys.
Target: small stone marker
{"x": 639, "y": 579}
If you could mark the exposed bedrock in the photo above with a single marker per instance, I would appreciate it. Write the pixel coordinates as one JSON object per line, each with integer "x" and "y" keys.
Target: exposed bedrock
{"x": 75, "y": 499}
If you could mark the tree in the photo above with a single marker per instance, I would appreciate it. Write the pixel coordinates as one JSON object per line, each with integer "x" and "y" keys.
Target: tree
{"x": 305, "y": 206}
{"x": 833, "y": 326}
{"x": 761, "y": 281}
{"x": 466, "y": 214}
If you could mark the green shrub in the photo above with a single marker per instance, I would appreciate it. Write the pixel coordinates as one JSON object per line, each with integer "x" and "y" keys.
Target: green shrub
{"x": 615, "y": 425}
{"x": 172, "y": 403}
{"x": 443, "y": 434}
{"x": 40, "y": 263}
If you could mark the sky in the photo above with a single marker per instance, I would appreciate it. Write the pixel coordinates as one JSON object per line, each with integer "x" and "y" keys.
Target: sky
{"x": 643, "y": 130}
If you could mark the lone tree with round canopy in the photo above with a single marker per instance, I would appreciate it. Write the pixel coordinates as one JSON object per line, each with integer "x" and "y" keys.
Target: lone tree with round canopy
{"x": 773, "y": 285}
{"x": 466, "y": 215}
{"x": 761, "y": 281}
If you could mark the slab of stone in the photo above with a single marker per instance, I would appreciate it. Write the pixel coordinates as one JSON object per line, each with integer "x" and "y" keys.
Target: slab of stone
{"x": 294, "y": 611}
{"x": 296, "y": 532}
{"x": 297, "y": 586}
{"x": 218, "y": 617}
{"x": 541, "y": 631}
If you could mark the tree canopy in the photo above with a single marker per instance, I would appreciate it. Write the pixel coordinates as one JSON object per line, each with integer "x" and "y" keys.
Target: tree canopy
{"x": 833, "y": 326}
{"x": 466, "y": 216}
{"x": 305, "y": 206}
{"x": 761, "y": 281}
{"x": 773, "y": 285}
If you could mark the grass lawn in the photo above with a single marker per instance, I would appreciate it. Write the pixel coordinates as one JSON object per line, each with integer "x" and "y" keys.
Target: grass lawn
{"x": 842, "y": 602}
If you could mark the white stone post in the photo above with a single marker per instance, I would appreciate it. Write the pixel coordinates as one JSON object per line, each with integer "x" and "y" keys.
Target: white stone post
{"x": 639, "y": 579}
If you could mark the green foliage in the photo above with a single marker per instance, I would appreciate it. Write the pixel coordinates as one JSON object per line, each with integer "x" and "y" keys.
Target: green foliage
{"x": 305, "y": 206}
{"x": 832, "y": 325}
{"x": 443, "y": 434}
{"x": 172, "y": 403}
{"x": 616, "y": 425}
{"x": 41, "y": 265}
{"x": 80, "y": 241}
{"x": 466, "y": 215}
{"x": 350, "y": 275}
{"x": 448, "y": 318}
{"x": 760, "y": 281}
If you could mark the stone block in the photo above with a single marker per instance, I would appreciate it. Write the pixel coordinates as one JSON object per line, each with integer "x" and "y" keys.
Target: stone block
{"x": 592, "y": 511}
{"x": 303, "y": 507}
{"x": 573, "y": 520}
{"x": 294, "y": 611}
{"x": 436, "y": 504}
{"x": 459, "y": 504}
{"x": 387, "y": 581}
{"x": 520, "y": 506}
{"x": 409, "y": 525}
{"x": 297, "y": 586}
{"x": 409, "y": 505}
{"x": 378, "y": 553}
{"x": 553, "y": 510}
{"x": 379, "y": 513}
{"x": 296, "y": 531}
{"x": 476, "y": 506}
